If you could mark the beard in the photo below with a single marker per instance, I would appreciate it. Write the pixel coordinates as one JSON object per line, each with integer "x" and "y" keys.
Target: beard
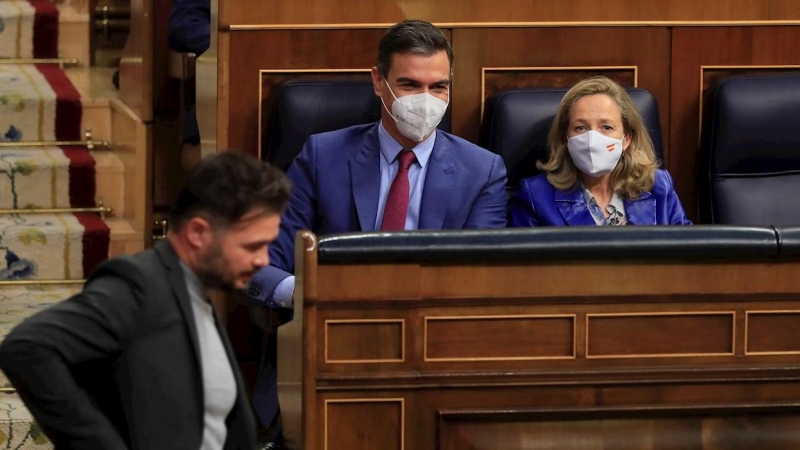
{"x": 212, "y": 270}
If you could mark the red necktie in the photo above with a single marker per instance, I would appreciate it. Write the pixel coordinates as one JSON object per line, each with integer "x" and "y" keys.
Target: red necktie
{"x": 394, "y": 214}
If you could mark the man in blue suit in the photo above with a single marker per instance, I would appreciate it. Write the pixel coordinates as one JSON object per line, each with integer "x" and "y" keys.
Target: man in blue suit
{"x": 399, "y": 174}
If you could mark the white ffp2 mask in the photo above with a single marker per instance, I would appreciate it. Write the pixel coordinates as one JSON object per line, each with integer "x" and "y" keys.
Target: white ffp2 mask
{"x": 594, "y": 153}
{"x": 416, "y": 115}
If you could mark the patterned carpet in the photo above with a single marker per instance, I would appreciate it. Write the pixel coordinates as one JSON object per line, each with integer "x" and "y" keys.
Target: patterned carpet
{"x": 28, "y": 29}
{"x": 39, "y": 103}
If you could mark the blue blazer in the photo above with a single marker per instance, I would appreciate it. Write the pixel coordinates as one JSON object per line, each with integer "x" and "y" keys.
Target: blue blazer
{"x": 336, "y": 182}
{"x": 538, "y": 203}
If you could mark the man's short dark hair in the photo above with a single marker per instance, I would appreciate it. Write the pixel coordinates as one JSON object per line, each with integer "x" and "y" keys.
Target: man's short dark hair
{"x": 411, "y": 36}
{"x": 228, "y": 185}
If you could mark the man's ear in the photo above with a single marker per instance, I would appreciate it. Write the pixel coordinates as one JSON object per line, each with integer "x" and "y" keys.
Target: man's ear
{"x": 377, "y": 82}
{"x": 198, "y": 232}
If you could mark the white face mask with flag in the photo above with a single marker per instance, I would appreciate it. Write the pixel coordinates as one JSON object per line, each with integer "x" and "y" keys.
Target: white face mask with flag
{"x": 594, "y": 153}
{"x": 416, "y": 115}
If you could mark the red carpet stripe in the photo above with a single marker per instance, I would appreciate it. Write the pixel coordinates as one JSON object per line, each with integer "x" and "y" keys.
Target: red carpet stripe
{"x": 68, "y": 106}
{"x": 45, "y": 29}
{"x": 96, "y": 239}
{"x": 82, "y": 180}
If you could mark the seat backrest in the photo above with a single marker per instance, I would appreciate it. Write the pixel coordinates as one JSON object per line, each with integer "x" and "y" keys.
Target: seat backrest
{"x": 305, "y": 107}
{"x": 516, "y": 123}
{"x": 751, "y": 145}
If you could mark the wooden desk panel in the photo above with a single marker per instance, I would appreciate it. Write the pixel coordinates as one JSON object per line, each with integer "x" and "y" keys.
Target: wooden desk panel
{"x": 677, "y": 355}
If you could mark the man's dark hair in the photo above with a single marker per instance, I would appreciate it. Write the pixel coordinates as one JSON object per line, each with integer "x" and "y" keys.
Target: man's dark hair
{"x": 411, "y": 36}
{"x": 228, "y": 185}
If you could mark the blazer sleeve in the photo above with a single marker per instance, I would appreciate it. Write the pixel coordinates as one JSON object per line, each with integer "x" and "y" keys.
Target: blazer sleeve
{"x": 299, "y": 215}
{"x": 38, "y": 353}
{"x": 521, "y": 210}
{"x": 489, "y": 210}
{"x": 190, "y": 26}
{"x": 675, "y": 213}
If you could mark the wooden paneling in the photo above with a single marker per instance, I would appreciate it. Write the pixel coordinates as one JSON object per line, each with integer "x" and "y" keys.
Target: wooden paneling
{"x": 499, "y": 338}
{"x": 479, "y": 48}
{"x": 693, "y": 48}
{"x": 693, "y": 428}
{"x": 367, "y": 11}
{"x": 364, "y": 424}
{"x": 286, "y": 51}
{"x": 664, "y": 334}
{"x": 364, "y": 341}
{"x": 597, "y": 280}
{"x": 136, "y": 65}
{"x": 773, "y": 332}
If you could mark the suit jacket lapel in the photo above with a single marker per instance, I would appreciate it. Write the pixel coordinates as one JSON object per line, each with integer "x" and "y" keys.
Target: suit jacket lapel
{"x": 365, "y": 180}
{"x": 572, "y": 207}
{"x": 641, "y": 211}
{"x": 181, "y": 295}
{"x": 440, "y": 180}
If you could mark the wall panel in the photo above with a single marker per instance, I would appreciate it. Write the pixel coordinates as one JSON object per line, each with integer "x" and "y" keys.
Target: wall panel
{"x": 444, "y": 11}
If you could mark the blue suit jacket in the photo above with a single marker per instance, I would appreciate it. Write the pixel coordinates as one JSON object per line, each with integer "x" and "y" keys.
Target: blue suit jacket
{"x": 538, "y": 203}
{"x": 336, "y": 181}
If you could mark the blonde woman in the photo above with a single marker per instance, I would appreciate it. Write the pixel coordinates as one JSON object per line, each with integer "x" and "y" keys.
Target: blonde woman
{"x": 601, "y": 170}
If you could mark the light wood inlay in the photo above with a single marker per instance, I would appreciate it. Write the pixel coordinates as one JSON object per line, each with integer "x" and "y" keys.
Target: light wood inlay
{"x": 772, "y": 332}
{"x": 364, "y": 341}
{"x": 364, "y": 424}
{"x": 642, "y": 335}
{"x": 499, "y": 338}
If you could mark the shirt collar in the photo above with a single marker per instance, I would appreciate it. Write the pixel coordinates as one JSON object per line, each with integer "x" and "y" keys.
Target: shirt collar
{"x": 616, "y": 200}
{"x": 390, "y": 148}
{"x": 193, "y": 284}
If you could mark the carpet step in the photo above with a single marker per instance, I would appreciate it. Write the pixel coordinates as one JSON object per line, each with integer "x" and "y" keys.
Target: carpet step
{"x": 18, "y": 430}
{"x": 51, "y": 246}
{"x": 38, "y": 103}
{"x": 30, "y": 29}
{"x": 47, "y": 177}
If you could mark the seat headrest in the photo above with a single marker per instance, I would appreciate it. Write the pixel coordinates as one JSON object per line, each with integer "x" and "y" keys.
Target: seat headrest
{"x": 753, "y": 126}
{"x": 516, "y": 123}
{"x": 304, "y": 107}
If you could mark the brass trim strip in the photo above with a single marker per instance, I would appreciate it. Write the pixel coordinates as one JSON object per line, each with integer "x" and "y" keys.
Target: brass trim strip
{"x": 643, "y": 23}
{"x": 548, "y": 69}
{"x": 402, "y": 402}
{"x": 366, "y": 361}
{"x": 47, "y": 282}
{"x": 261, "y": 73}
{"x": 8, "y": 390}
{"x": 91, "y": 145}
{"x": 97, "y": 209}
{"x": 574, "y": 318}
{"x": 747, "y": 331}
{"x": 664, "y": 355}
{"x": 60, "y": 61}
{"x": 722, "y": 67}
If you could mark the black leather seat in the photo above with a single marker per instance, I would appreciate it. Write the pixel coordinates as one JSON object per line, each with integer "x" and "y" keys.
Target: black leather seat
{"x": 516, "y": 123}
{"x": 305, "y": 107}
{"x": 751, "y": 145}
{"x": 653, "y": 243}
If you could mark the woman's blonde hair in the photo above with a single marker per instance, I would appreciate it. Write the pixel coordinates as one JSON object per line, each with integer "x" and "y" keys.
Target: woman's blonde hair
{"x": 637, "y": 171}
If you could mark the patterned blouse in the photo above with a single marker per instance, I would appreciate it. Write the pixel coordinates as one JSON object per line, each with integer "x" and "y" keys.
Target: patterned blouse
{"x": 615, "y": 208}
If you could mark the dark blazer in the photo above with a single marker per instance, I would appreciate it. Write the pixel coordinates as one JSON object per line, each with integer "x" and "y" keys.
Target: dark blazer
{"x": 538, "y": 203}
{"x": 336, "y": 182}
{"x": 117, "y": 366}
{"x": 190, "y": 26}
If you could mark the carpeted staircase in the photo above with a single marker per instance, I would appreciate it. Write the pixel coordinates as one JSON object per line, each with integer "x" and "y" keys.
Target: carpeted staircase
{"x": 43, "y": 254}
